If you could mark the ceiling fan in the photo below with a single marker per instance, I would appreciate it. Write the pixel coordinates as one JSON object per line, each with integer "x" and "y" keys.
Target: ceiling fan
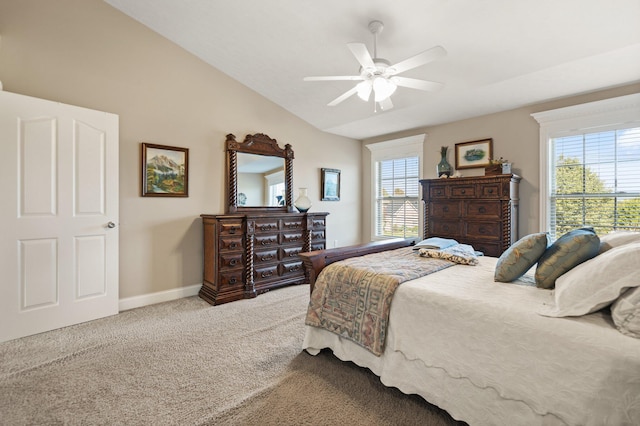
{"x": 377, "y": 75}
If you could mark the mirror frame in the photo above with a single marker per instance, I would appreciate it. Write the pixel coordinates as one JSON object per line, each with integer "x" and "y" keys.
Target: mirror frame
{"x": 259, "y": 144}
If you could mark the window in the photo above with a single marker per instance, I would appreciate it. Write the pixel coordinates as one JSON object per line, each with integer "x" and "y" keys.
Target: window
{"x": 590, "y": 173}
{"x": 397, "y": 198}
{"x": 396, "y": 170}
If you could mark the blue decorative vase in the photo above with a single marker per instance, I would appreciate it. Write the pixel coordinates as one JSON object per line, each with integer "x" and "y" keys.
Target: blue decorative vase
{"x": 302, "y": 203}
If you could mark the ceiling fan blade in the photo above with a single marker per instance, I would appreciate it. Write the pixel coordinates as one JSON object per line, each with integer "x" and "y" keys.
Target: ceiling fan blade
{"x": 334, "y": 77}
{"x": 343, "y": 97}
{"x": 414, "y": 83}
{"x": 418, "y": 60}
{"x": 361, "y": 53}
{"x": 386, "y": 104}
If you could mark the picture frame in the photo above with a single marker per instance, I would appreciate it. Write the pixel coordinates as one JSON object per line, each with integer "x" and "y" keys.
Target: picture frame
{"x": 330, "y": 184}
{"x": 164, "y": 170}
{"x": 474, "y": 154}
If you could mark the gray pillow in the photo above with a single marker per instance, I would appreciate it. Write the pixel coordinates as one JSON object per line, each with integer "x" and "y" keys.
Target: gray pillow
{"x": 520, "y": 257}
{"x": 626, "y": 313}
{"x": 565, "y": 253}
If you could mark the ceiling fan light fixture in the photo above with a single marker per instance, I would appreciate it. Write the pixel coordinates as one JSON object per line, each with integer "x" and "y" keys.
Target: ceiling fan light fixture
{"x": 383, "y": 88}
{"x": 364, "y": 90}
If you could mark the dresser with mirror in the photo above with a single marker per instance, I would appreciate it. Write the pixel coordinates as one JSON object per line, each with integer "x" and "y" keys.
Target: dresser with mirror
{"x": 254, "y": 246}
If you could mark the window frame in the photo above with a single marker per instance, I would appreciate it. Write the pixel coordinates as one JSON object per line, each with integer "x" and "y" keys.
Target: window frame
{"x": 599, "y": 116}
{"x": 411, "y": 146}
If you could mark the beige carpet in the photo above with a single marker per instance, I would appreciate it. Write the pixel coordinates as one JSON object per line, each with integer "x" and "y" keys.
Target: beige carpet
{"x": 188, "y": 363}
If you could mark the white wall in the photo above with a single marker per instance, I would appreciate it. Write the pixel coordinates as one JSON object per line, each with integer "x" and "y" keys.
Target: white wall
{"x": 86, "y": 53}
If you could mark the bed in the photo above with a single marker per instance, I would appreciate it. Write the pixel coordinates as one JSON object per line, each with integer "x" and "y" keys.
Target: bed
{"x": 485, "y": 352}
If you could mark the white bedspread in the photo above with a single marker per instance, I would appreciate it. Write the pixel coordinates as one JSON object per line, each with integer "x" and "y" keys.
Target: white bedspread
{"x": 479, "y": 350}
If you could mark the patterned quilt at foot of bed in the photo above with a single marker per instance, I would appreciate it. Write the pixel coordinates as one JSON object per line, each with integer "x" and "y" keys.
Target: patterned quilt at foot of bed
{"x": 352, "y": 298}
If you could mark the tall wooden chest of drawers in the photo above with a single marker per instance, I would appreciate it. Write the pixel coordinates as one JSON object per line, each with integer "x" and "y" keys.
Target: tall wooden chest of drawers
{"x": 481, "y": 211}
{"x": 246, "y": 254}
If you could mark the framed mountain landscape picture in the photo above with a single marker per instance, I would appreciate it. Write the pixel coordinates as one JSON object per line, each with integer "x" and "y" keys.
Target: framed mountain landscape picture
{"x": 165, "y": 171}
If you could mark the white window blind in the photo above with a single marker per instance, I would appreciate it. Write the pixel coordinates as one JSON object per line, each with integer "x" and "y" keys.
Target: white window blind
{"x": 595, "y": 181}
{"x": 397, "y": 201}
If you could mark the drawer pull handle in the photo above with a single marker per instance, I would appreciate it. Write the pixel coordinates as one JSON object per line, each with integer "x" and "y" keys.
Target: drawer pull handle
{"x": 233, "y": 262}
{"x": 446, "y": 227}
{"x": 232, "y": 280}
{"x": 482, "y": 230}
{"x": 268, "y": 257}
{"x": 445, "y": 209}
{"x": 265, "y": 227}
{"x": 293, "y": 253}
{"x": 266, "y": 274}
{"x": 482, "y": 210}
{"x": 491, "y": 191}
{"x": 463, "y": 191}
{"x": 266, "y": 242}
{"x": 294, "y": 269}
{"x": 233, "y": 245}
{"x": 293, "y": 225}
{"x": 232, "y": 230}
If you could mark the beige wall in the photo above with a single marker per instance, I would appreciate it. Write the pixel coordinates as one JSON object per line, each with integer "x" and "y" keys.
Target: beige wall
{"x": 84, "y": 52}
{"x": 515, "y": 137}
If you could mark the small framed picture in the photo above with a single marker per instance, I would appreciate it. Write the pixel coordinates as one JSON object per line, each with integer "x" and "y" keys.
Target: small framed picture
{"x": 470, "y": 155}
{"x": 164, "y": 171}
{"x": 330, "y": 184}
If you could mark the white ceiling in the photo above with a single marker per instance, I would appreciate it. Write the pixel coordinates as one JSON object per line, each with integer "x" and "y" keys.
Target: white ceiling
{"x": 502, "y": 54}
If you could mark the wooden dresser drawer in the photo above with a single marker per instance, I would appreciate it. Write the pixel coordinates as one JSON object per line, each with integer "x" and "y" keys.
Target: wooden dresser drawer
{"x": 490, "y": 190}
{"x": 318, "y": 246}
{"x": 291, "y": 224}
{"x": 319, "y": 223}
{"x": 290, "y": 252}
{"x": 438, "y": 191}
{"x": 267, "y": 225}
{"x": 291, "y": 237}
{"x": 263, "y": 256}
{"x": 463, "y": 191}
{"x": 265, "y": 272}
{"x": 230, "y": 243}
{"x": 230, "y": 227}
{"x": 317, "y": 235}
{"x": 445, "y": 228}
{"x": 488, "y": 248}
{"x": 290, "y": 268}
{"x": 231, "y": 279}
{"x": 444, "y": 209}
{"x": 483, "y": 209}
{"x": 489, "y": 230}
{"x": 231, "y": 260}
{"x": 270, "y": 240}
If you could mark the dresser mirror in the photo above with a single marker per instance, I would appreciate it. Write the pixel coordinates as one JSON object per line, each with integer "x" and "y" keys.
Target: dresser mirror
{"x": 259, "y": 175}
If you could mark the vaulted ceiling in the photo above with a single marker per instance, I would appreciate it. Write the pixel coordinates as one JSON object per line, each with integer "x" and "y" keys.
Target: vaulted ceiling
{"x": 501, "y": 54}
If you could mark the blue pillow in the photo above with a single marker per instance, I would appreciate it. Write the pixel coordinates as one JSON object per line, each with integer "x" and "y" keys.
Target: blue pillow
{"x": 570, "y": 250}
{"x": 520, "y": 257}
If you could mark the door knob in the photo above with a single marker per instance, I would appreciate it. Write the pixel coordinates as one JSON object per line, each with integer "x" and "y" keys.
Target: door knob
{"x": 111, "y": 225}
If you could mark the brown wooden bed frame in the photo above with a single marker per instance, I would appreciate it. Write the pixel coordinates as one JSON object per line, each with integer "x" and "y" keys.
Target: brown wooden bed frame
{"x": 315, "y": 261}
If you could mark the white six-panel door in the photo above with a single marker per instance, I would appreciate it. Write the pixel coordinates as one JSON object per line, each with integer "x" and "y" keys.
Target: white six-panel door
{"x": 58, "y": 215}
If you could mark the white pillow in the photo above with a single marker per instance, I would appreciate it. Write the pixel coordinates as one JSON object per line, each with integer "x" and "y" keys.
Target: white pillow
{"x": 618, "y": 238}
{"x": 596, "y": 283}
{"x": 626, "y": 313}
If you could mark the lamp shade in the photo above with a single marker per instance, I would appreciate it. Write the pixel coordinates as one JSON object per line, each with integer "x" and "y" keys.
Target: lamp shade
{"x": 364, "y": 90}
{"x": 383, "y": 88}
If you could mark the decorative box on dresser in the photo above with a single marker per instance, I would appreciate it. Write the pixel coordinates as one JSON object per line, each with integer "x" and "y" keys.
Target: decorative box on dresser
{"x": 481, "y": 211}
{"x": 249, "y": 254}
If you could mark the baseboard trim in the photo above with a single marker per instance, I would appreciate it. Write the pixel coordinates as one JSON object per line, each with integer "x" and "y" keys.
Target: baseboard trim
{"x": 159, "y": 297}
